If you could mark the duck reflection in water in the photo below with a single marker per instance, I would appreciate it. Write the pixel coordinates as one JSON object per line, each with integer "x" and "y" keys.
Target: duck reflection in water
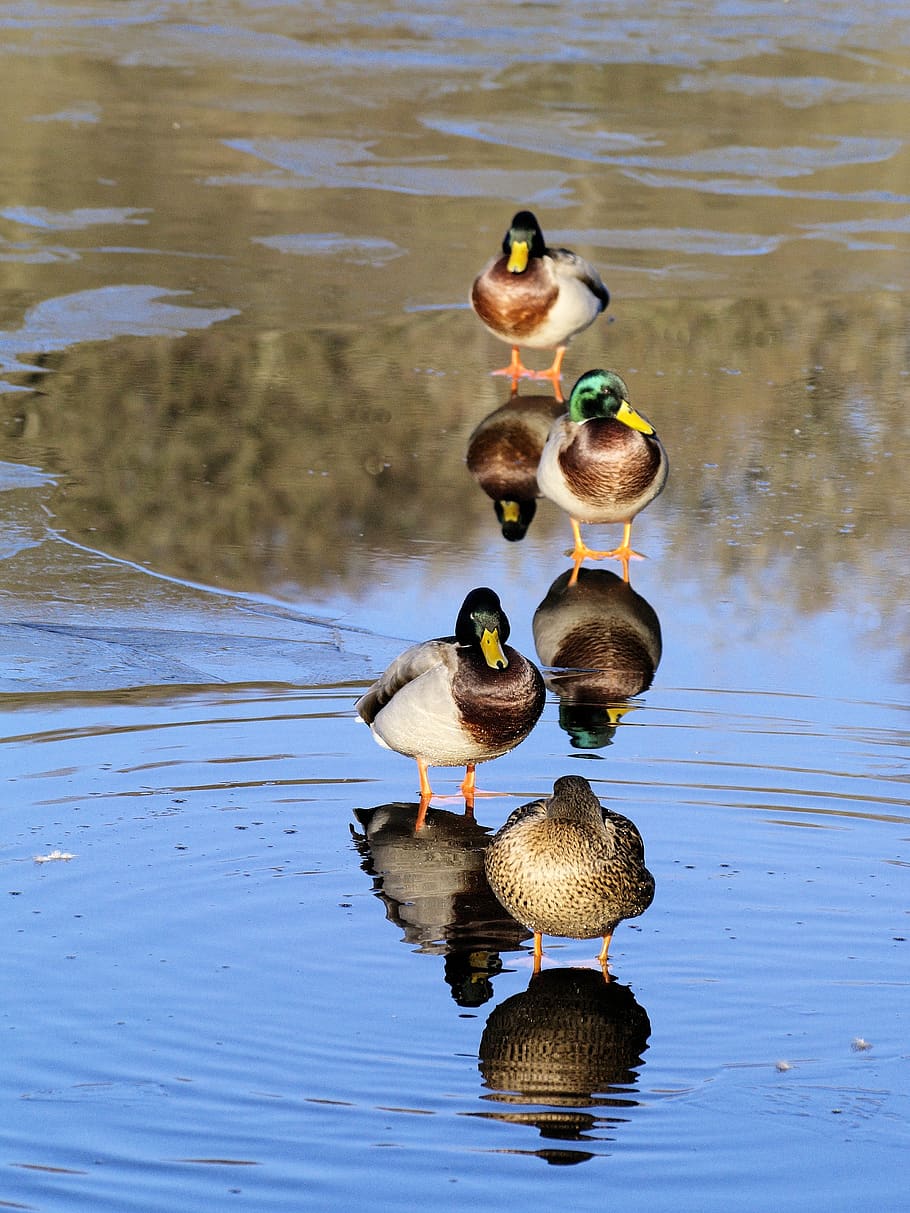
{"x": 503, "y": 454}
{"x": 565, "y": 865}
{"x": 602, "y": 643}
{"x": 457, "y": 700}
{"x": 568, "y": 1043}
{"x": 432, "y": 883}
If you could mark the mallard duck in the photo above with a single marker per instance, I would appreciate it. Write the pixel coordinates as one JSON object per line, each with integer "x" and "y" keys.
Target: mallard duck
{"x": 457, "y": 700}
{"x": 536, "y": 297}
{"x": 567, "y": 866}
{"x": 602, "y": 462}
{"x": 503, "y": 453}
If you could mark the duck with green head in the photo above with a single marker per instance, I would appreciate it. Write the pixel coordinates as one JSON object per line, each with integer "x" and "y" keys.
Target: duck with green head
{"x": 457, "y": 700}
{"x": 538, "y": 297}
{"x": 602, "y": 462}
{"x": 567, "y": 866}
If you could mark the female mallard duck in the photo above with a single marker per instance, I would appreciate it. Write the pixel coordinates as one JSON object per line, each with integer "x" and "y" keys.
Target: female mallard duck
{"x": 458, "y": 700}
{"x": 602, "y": 462}
{"x": 536, "y": 297}
{"x": 567, "y": 866}
{"x": 503, "y": 454}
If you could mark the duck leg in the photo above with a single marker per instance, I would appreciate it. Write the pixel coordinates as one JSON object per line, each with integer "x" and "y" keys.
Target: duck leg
{"x": 625, "y": 551}
{"x": 554, "y": 370}
{"x": 602, "y": 957}
{"x": 553, "y": 373}
{"x": 421, "y": 813}
{"x": 468, "y": 787}
{"x": 469, "y": 782}
{"x": 515, "y": 370}
{"x": 581, "y": 551}
{"x": 425, "y": 789}
{"x": 538, "y": 951}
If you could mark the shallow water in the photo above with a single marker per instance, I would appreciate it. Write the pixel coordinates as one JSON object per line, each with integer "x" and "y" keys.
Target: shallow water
{"x": 240, "y": 380}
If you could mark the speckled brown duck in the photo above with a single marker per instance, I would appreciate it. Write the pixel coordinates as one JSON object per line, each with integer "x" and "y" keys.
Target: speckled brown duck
{"x": 457, "y": 700}
{"x": 569, "y": 867}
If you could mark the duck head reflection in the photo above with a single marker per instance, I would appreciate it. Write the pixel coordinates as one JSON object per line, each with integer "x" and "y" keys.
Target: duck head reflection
{"x": 602, "y": 643}
{"x": 433, "y": 886}
{"x": 503, "y": 453}
{"x": 569, "y": 1043}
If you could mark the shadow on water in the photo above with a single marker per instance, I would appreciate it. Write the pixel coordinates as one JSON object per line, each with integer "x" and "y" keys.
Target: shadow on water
{"x": 433, "y": 887}
{"x": 569, "y": 1043}
{"x": 605, "y": 638}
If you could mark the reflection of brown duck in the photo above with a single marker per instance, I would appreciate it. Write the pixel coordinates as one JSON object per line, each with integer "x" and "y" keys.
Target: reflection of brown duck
{"x": 604, "y": 640}
{"x": 567, "y": 866}
{"x": 537, "y": 297}
{"x": 434, "y": 888}
{"x": 503, "y": 453}
{"x": 570, "y": 1041}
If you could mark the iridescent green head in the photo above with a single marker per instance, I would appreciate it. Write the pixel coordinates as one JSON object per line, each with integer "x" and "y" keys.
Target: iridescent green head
{"x": 603, "y": 394}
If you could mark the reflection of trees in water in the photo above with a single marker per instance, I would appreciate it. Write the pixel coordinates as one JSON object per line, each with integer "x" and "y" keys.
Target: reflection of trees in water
{"x": 246, "y": 464}
{"x": 563, "y": 1056}
{"x": 255, "y": 462}
{"x": 797, "y": 430}
{"x": 432, "y": 884}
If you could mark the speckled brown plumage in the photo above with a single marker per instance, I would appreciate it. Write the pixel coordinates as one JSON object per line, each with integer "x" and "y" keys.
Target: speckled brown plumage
{"x": 566, "y": 866}
{"x": 568, "y": 1041}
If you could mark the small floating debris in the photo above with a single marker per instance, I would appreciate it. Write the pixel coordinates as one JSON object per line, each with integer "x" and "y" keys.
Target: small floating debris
{"x": 783, "y": 1066}
{"x": 858, "y": 1045}
{"x": 53, "y": 856}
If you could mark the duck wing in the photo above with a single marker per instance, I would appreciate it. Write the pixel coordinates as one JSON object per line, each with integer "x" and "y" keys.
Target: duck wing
{"x": 535, "y": 810}
{"x": 624, "y": 837}
{"x": 569, "y": 265}
{"x": 409, "y": 665}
